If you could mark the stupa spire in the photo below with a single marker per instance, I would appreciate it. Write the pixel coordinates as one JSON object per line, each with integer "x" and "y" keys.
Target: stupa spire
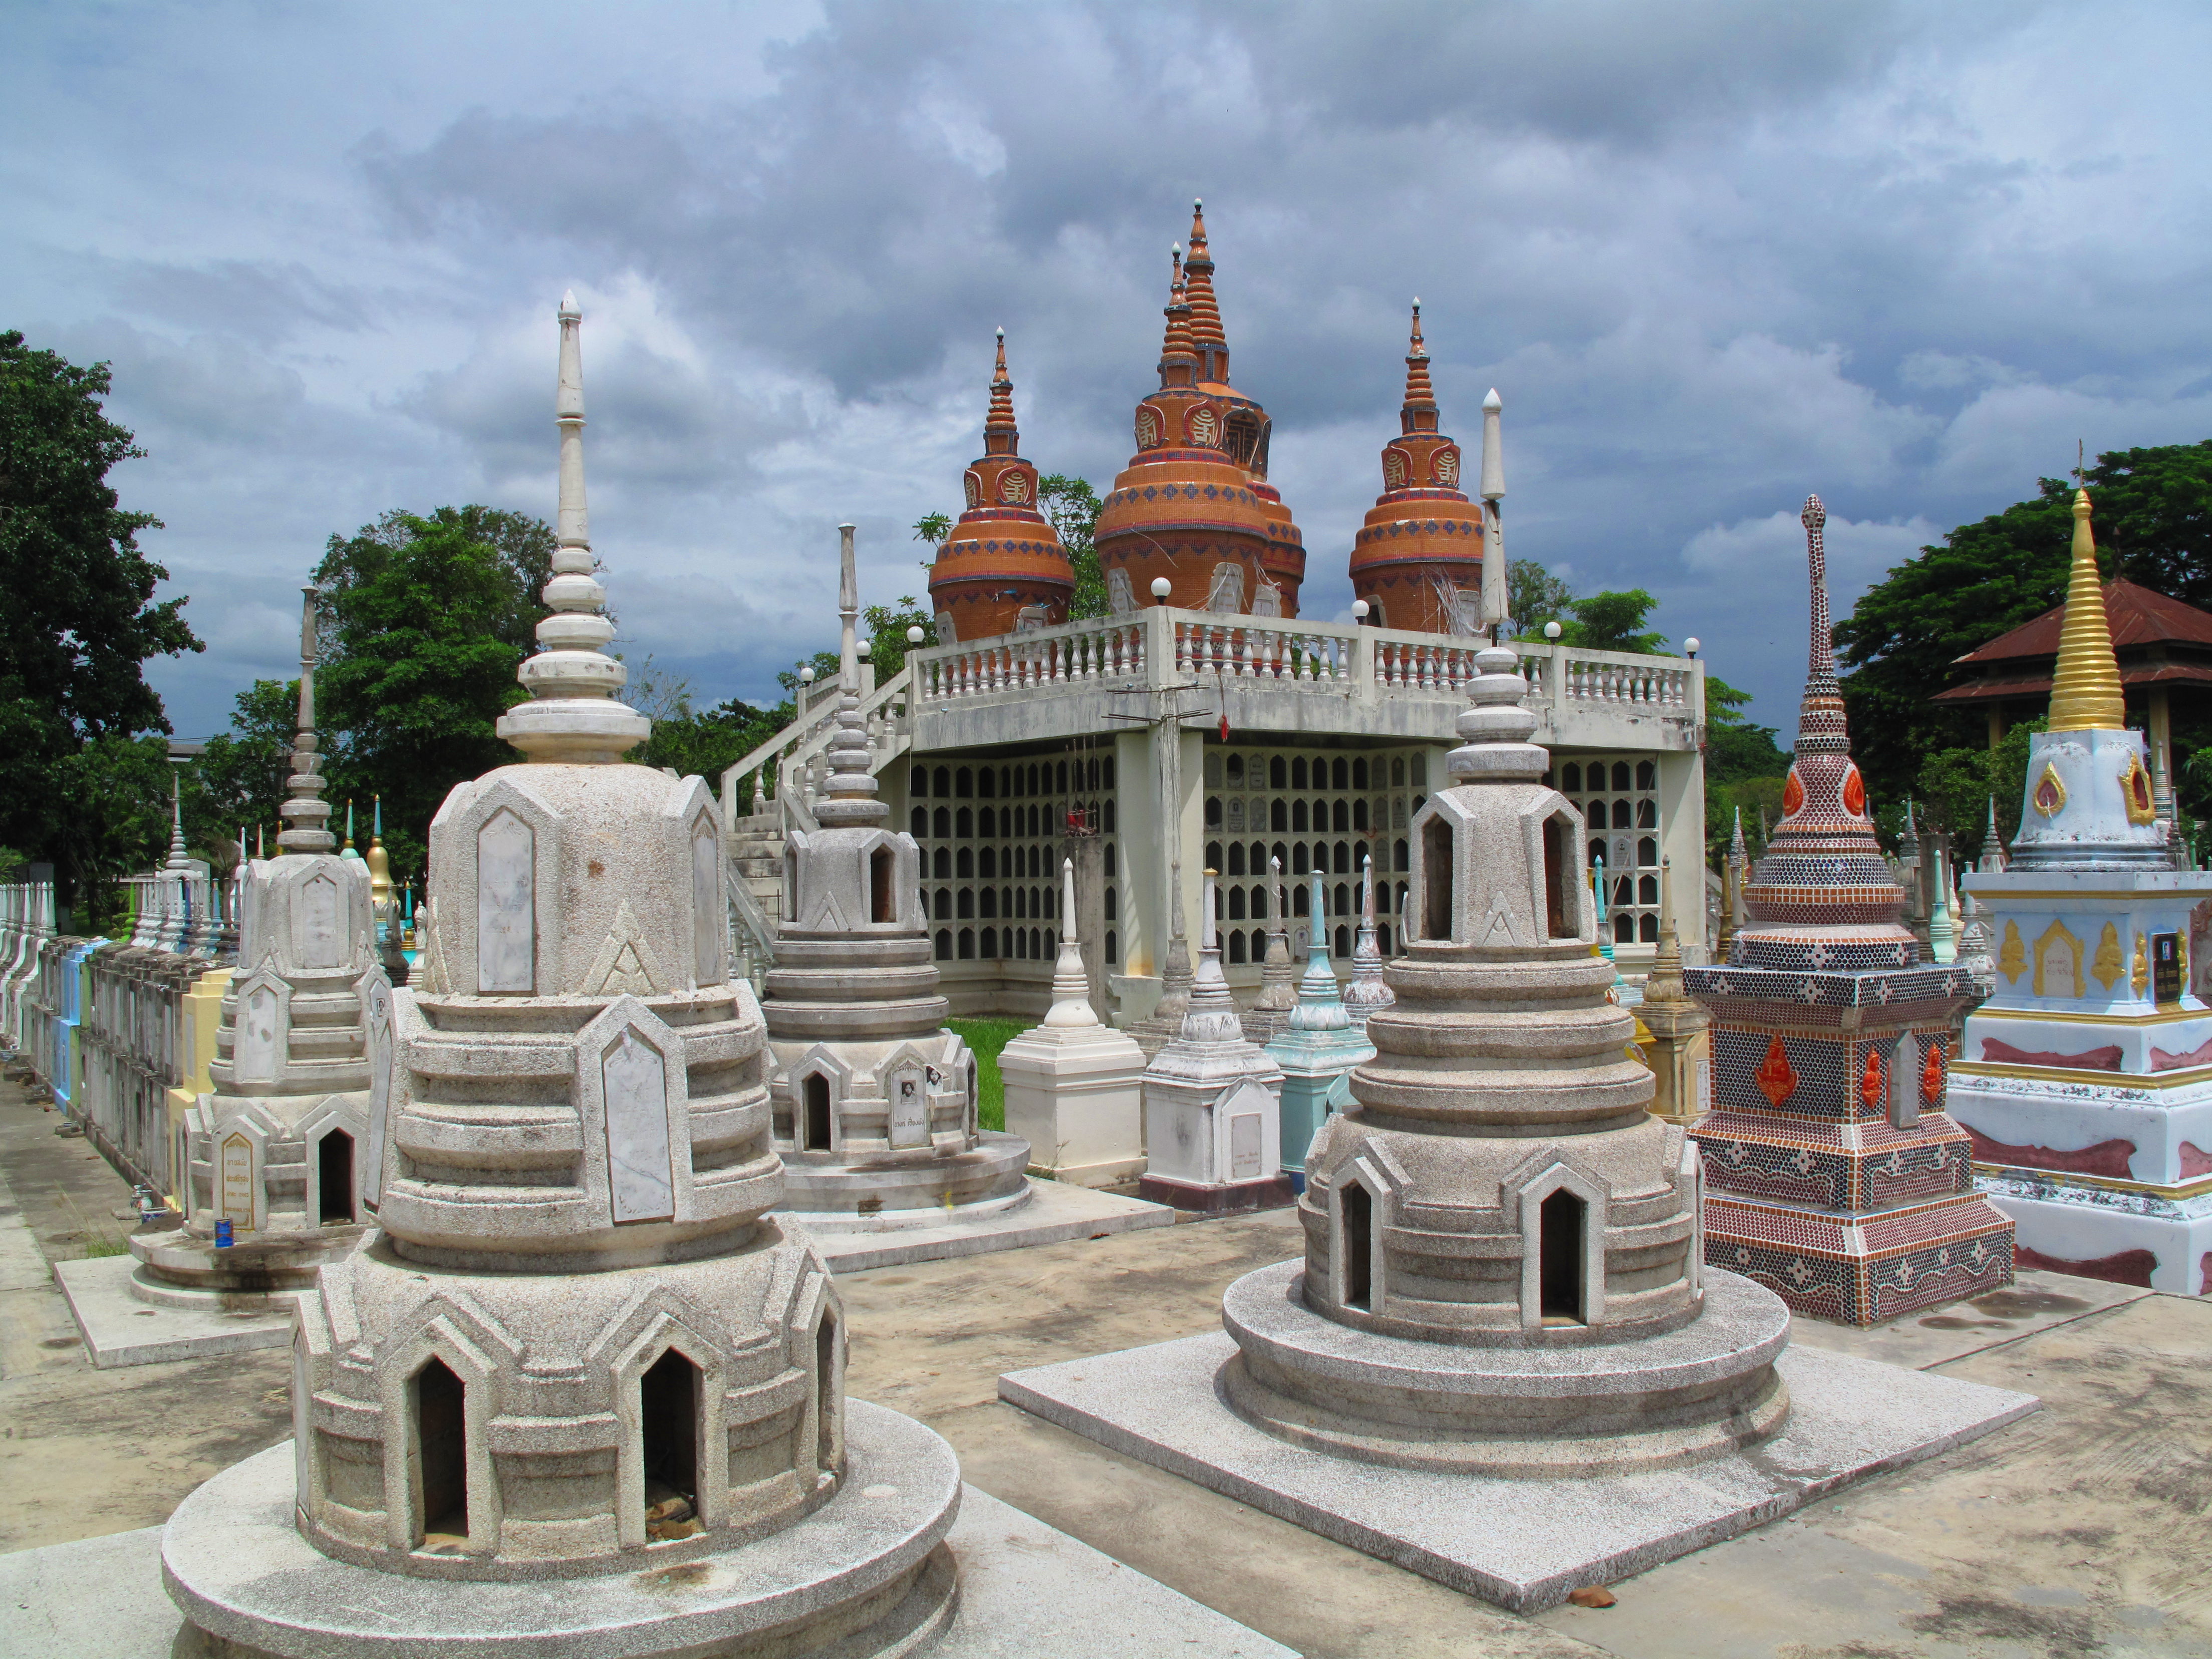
{"x": 1419, "y": 411}
{"x": 573, "y": 716}
{"x": 1212, "y": 1014}
{"x": 1204, "y": 314}
{"x": 2085, "y": 693}
{"x": 180, "y": 861}
{"x": 1000, "y": 435}
{"x": 1071, "y": 985}
{"x": 307, "y": 815}
{"x": 1178, "y": 355}
{"x": 851, "y": 791}
{"x": 1368, "y": 994}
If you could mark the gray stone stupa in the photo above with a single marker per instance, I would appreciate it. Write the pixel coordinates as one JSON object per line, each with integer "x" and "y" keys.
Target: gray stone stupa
{"x": 276, "y": 1149}
{"x": 1499, "y": 1192}
{"x": 580, "y": 1352}
{"x": 875, "y": 1100}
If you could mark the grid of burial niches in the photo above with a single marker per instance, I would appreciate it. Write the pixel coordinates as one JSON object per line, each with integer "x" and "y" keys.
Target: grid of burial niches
{"x": 1620, "y": 798}
{"x": 989, "y": 834}
{"x": 1315, "y": 811}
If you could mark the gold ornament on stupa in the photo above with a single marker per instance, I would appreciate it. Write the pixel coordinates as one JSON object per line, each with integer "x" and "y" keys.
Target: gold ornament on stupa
{"x": 2085, "y": 694}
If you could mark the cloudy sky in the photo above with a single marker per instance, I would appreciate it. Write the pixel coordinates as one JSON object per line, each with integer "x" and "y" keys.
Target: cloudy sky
{"x": 1714, "y": 255}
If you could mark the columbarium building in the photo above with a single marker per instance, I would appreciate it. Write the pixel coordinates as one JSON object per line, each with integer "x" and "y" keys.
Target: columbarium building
{"x": 1210, "y": 721}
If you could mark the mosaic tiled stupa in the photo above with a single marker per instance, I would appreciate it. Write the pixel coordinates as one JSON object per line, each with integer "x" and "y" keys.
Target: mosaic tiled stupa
{"x": 1002, "y": 564}
{"x": 579, "y": 1350}
{"x": 2086, "y": 1080}
{"x": 1833, "y": 1176}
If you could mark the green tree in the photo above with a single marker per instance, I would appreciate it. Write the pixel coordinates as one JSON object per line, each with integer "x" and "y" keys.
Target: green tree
{"x": 241, "y": 777}
{"x": 83, "y": 621}
{"x": 427, "y": 622}
{"x": 1533, "y": 596}
{"x": 2154, "y": 523}
{"x": 1953, "y": 788}
{"x": 1745, "y": 766}
{"x": 1073, "y": 505}
{"x": 1612, "y": 622}
{"x": 708, "y": 743}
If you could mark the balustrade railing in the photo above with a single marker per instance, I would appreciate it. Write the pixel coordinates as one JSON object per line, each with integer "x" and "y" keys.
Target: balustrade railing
{"x": 1107, "y": 648}
{"x": 1262, "y": 649}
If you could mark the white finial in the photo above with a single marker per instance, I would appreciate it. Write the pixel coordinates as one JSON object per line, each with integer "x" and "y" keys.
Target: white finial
{"x": 1197, "y": 205}
{"x": 573, "y": 716}
{"x": 1493, "y": 449}
{"x": 1071, "y": 985}
{"x": 1002, "y": 330}
{"x": 1417, "y": 302}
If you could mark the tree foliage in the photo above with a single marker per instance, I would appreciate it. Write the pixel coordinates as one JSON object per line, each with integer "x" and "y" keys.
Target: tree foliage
{"x": 2153, "y": 524}
{"x": 427, "y": 618}
{"x": 1533, "y": 596}
{"x": 242, "y": 775}
{"x": 83, "y": 621}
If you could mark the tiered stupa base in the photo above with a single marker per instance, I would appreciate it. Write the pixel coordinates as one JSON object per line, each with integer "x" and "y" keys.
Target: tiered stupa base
{"x": 1863, "y": 1268}
{"x": 866, "y": 1575}
{"x": 918, "y": 1188}
{"x": 1707, "y": 1388}
{"x": 183, "y": 1268}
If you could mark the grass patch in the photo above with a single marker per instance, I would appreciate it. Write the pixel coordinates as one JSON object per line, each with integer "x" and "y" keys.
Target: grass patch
{"x": 984, "y": 1038}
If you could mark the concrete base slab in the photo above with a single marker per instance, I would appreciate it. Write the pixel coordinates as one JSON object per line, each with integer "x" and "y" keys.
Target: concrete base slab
{"x": 1055, "y": 1213}
{"x": 1524, "y": 1544}
{"x": 120, "y": 1329}
{"x": 1026, "y": 1590}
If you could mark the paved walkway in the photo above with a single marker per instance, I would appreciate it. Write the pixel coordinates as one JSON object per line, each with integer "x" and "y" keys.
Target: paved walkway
{"x": 2080, "y": 1531}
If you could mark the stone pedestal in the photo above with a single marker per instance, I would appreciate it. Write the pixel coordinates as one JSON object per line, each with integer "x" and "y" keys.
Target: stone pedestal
{"x": 1212, "y": 1104}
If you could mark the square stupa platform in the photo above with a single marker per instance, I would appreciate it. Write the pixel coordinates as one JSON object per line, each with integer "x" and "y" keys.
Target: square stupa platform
{"x": 1025, "y": 1589}
{"x": 1524, "y": 1544}
{"x": 121, "y": 1329}
{"x": 1056, "y": 1212}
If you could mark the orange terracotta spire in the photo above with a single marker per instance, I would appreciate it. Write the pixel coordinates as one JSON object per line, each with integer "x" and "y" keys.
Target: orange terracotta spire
{"x": 1000, "y": 435}
{"x": 1418, "y": 413}
{"x": 1003, "y": 556}
{"x": 1204, "y": 314}
{"x": 1178, "y": 355}
{"x": 1417, "y": 560}
{"x": 1194, "y": 504}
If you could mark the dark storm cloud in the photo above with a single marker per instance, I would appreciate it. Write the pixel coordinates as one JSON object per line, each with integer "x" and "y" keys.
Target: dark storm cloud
{"x": 1714, "y": 256}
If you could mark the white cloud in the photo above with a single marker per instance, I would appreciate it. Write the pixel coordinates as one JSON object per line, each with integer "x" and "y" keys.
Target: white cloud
{"x": 1713, "y": 256}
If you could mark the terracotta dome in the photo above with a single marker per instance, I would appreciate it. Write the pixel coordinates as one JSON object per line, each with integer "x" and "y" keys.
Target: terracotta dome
{"x": 1003, "y": 556}
{"x": 1417, "y": 560}
{"x": 1194, "y": 504}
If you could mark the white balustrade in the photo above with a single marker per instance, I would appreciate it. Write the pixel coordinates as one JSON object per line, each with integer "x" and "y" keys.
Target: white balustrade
{"x": 1107, "y": 648}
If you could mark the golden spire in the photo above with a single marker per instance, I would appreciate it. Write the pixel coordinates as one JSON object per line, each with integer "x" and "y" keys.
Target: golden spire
{"x": 2085, "y": 695}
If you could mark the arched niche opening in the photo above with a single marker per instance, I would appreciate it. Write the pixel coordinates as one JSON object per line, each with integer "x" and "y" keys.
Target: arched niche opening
{"x": 880, "y": 908}
{"x": 438, "y": 1405}
{"x": 825, "y": 1392}
{"x": 1437, "y": 908}
{"x": 668, "y": 1401}
{"x": 814, "y": 1131}
{"x": 334, "y": 1178}
{"x": 1357, "y": 1242}
{"x": 1559, "y": 1234}
{"x": 1559, "y": 919}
